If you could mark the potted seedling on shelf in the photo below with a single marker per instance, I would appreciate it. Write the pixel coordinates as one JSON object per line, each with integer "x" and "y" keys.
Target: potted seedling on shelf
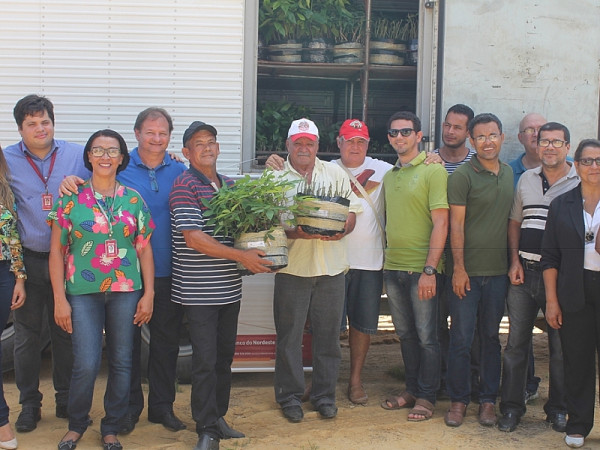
{"x": 251, "y": 212}
{"x": 281, "y": 27}
{"x": 350, "y": 40}
{"x": 387, "y": 41}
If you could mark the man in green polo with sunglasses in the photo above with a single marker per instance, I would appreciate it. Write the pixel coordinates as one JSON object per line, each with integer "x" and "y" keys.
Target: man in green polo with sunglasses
{"x": 417, "y": 225}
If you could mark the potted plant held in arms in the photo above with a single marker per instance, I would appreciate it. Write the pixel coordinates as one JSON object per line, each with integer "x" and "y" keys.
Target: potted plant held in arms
{"x": 322, "y": 210}
{"x": 250, "y": 211}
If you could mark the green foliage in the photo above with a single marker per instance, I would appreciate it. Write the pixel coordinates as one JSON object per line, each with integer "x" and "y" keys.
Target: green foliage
{"x": 282, "y": 19}
{"x": 301, "y": 19}
{"x": 273, "y": 120}
{"x": 250, "y": 205}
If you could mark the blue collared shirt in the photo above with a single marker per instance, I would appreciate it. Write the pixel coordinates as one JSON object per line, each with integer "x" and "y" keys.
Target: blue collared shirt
{"x": 28, "y": 188}
{"x": 154, "y": 185}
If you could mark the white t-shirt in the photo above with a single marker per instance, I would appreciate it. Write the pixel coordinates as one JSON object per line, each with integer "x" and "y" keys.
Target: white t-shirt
{"x": 364, "y": 244}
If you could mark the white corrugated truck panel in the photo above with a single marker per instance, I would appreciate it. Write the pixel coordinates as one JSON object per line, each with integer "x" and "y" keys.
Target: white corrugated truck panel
{"x": 101, "y": 62}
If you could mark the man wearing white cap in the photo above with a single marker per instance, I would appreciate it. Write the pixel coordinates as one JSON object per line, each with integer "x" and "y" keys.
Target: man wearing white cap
{"x": 311, "y": 286}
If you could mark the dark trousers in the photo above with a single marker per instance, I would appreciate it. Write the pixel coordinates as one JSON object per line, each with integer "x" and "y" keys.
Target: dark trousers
{"x": 213, "y": 331}
{"x": 580, "y": 337}
{"x": 28, "y": 330}
{"x": 164, "y": 350}
{"x": 319, "y": 299}
{"x": 523, "y": 302}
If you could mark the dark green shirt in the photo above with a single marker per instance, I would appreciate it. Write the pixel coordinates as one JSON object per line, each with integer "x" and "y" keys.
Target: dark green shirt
{"x": 488, "y": 198}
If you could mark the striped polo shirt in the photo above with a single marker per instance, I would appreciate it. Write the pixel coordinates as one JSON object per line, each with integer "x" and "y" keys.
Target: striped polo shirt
{"x": 530, "y": 207}
{"x": 199, "y": 279}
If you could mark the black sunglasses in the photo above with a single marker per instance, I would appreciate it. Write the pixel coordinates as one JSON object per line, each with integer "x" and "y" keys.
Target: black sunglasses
{"x": 403, "y": 131}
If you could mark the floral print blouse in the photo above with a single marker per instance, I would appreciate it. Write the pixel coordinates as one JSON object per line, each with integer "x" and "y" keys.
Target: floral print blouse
{"x": 85, "y": 232}
{"x": 11, "y": 242}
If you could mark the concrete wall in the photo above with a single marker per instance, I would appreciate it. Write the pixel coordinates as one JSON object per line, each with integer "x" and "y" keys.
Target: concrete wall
{"x": 512, "y": 57}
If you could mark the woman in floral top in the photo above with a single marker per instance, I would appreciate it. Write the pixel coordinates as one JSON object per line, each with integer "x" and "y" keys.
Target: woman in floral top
{"x": 100, "y": 243}
{"x": 12, "y": 282}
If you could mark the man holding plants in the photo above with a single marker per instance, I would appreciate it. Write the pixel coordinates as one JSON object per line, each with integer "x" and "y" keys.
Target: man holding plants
{"x": 207, "y": 282}
{"x": 365, "y": 245}
{"x": 311, "y": 286}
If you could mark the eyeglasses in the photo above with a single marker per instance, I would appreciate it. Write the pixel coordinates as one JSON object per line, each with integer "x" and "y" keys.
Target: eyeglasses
{"x": 589, "y": 161}
{"x": 113, "y": 152}
{"x": 530, "y": 130}
{"x": 556, "y": 143}
{"x": 403, "y": 131}
{"x": 492, "y": 138}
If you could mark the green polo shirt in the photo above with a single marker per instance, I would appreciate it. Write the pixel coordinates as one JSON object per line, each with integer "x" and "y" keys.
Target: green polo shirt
{"x": 411, "y": 192}
{"x": 488, "y": 198}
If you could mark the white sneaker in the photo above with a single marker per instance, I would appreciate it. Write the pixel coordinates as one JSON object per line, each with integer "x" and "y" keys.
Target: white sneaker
{"x": 574, "y": 441}
{"x": 9, "y": 445}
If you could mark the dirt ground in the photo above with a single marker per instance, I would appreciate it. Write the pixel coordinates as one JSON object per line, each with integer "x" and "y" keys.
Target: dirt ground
{"x": 253, "y": 410}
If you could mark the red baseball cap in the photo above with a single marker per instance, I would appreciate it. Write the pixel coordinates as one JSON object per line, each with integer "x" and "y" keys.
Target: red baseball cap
{"x": 353, "y": 128}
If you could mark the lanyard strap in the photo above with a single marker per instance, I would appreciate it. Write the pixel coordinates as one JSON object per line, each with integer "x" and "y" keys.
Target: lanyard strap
{"x": 37, "y": 170}
{"x": 112, "y": 207}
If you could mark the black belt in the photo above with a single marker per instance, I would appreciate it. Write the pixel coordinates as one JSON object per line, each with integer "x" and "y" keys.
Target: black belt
{"x": 44, "y": 255}
{"x": 531, "y": 265}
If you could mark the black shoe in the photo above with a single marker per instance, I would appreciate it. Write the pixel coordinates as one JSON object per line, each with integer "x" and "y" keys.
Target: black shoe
{"x": 328, "y": 411}
{"x": 116, "y": 445}
{"x": 558, "y": 421}
{"x": 71, "y": 444}
{"x": 227, "y": 432}
{"x": 293, "y": 413}
{"x": 207, "y": 442}
{"x": 508, "y": 422}
{"x": 127, "y": 423}
{"x": 169, "y": 421}
{"x": 61, "y": 412}
{"x": 28, "y": 419}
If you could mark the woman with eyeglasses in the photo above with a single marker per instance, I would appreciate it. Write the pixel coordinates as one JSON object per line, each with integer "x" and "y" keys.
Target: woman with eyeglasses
{"x": 12, "y": 281}
{"x": 571, "y": 265}
{"x": 100, "y": 243}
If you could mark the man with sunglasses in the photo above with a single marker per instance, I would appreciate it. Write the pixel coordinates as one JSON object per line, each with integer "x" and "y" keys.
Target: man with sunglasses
{"x": 480, "y": 195}
{"x": 526, "y": 294}
{"x": 413, "y": 257}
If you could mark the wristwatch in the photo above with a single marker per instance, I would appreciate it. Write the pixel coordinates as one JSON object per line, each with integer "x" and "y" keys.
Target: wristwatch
{"x": 429, "y": 270}
{"x": 21, "y": 276}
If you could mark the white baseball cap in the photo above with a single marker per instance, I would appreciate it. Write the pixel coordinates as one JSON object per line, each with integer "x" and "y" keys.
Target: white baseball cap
{"x": 303, "y": 128}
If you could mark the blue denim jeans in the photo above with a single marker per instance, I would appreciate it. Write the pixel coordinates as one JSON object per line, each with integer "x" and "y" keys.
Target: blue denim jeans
{"x": 7, "y": 284}
{"x": 416, "y": 323}
{"x": 523, "y": 303}
{"x": 29, "y": 323}
{"x": 321, "y": 300}
{"x": 91, "y": 313}
{"x": 482, "y": 306}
